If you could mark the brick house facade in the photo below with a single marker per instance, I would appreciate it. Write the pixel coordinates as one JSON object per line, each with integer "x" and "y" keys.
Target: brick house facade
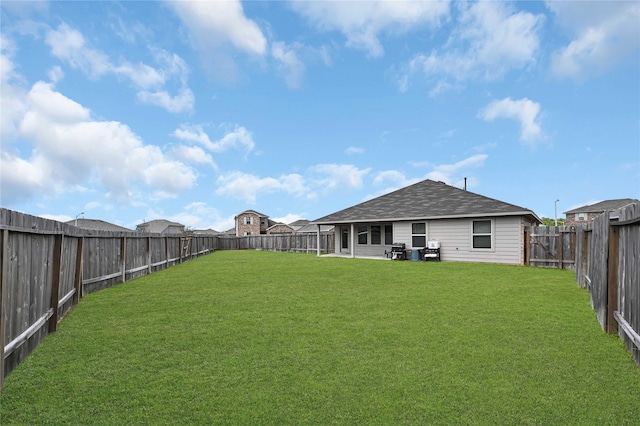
{"x": 251, "y": 222}
{"x": 280, "y": 228}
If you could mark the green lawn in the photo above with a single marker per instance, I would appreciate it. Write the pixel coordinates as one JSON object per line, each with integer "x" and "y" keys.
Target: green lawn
{"x": 278, "y": 338}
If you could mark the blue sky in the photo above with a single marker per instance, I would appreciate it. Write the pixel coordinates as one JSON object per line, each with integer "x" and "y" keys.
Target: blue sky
{"x": 197, "y": 111}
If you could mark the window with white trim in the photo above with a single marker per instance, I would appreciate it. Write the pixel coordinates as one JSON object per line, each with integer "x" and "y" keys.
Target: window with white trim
{"x": 376, "y": 234}
{"x": 482, "y": 234}
{"x": 388, "y": 234}
{"x": 248, "y": 220}
{"x": 418, "y": 235}
{"x": 581, "y": 216}
{"x": 363, "y": 234}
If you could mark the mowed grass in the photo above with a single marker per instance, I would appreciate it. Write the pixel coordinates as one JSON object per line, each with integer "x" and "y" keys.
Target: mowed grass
{"x": 279, "y": 338}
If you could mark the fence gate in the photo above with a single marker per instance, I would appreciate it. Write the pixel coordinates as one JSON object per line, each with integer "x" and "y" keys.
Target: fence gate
{"x": 552, "y": 246}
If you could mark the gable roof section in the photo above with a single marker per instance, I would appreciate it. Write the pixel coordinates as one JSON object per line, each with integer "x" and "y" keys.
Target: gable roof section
{"x": 427, "y": 199}
{"x": 97, "y": 225}
{"x": 158, "y": 226}
{"x": 252, "y": 212}
{"x": 602, "y": 206}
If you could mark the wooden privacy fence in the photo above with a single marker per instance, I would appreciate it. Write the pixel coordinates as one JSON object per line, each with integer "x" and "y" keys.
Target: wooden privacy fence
{"x": 605, "y": 255}
{"x": 611, "y": 272}
{"x": 46, "y": 267}
{"x": 550, "y": 246}
{"x": 307, "y": 243}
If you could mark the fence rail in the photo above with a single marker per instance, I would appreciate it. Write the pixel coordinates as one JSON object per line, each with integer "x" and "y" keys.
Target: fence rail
{"x": 552, "y": 246}
{"x": 306, "y": 243}
{"x": 47, "y": 266}
{"x": 605, "y": 256}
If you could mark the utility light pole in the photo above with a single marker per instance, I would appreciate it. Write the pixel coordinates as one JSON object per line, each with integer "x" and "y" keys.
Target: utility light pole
{"x": 556, "y": 211}
{"x": 81, "y": 213}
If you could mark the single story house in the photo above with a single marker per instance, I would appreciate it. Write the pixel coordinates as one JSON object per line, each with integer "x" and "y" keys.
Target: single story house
{"x": 161, "y": 226}
{"x": 97, "y": 225}
{"x": 585, "y": 214}
{"x": 470, "y": 227}
{"x": 279, "y": 228}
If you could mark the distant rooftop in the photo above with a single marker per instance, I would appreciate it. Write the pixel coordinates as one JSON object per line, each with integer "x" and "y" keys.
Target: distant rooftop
{"x": 607, "y": 205}
{"x": 97, "y": 225}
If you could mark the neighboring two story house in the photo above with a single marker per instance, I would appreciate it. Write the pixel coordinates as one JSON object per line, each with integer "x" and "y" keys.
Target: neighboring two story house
{"x": 251, "y": 222}
{"x": 585, "y": 214}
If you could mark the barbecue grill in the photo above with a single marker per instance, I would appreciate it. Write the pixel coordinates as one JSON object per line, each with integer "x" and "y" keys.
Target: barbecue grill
{"x": 432, "y": 251}
{"x": 398, "y": 251}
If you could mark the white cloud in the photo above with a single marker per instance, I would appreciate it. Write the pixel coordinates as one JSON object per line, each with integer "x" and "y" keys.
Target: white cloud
{"x": 490, "y": 40}
{"x": 362, "y": 22}
{"x": 183, "y": 101}
{"x": 354, "y": 150}
{"x": 525, "y": 111}
{"x": 197, "y": 215}
{"x": 452, "y": 174}
{"x": 70, "y": 149}
{"x": 55, "y": 74}
{"x": 288, "y": 218}
{"x": 213, "y": 23}
{"x": 58, "y": 217}
{"x": 194, "y": 154}
{"x": 248, "y": 187}
{"x": 69, "y": 45}
{"x": 289, "y": 62}
{"x": 394, "y": 177}
{"x": 238, "y": 137}
{"x": 12, "y": 95}
{"x": 330, "y": 176}
{"x": 390, "y": 180}
{"x": 606, "y": 32}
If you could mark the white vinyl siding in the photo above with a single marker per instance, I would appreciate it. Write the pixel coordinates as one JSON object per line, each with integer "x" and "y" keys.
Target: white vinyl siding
{"x": 402, "y": 233}
{"x": 456, "y": 241}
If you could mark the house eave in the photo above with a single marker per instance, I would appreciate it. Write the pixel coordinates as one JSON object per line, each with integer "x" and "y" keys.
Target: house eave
{"x": 407, "y": 219}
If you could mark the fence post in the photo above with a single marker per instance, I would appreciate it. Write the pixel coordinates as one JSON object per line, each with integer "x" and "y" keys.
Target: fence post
{"x": 4, "y": 259}
{"x": 166, "y": 251}
{"x": 560, "y": 248}
{"x": 148, "y": 255}
{"x": 612, "y": 290}
{"x": 78, "y": 283}
{"x": 585, "y": 257}
{"x": 123, "y": 254}
{"x": 55, "y": 282}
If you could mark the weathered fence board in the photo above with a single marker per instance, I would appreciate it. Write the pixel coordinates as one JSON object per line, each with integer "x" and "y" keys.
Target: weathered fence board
{"x": 47, "y": 266}
{"x": 306, "y": 243}
{"x": 628, "y": 313}
{"x": 552, "y": 246}
{"x": 606, "y": 257}
{"x": 597, "y": 272}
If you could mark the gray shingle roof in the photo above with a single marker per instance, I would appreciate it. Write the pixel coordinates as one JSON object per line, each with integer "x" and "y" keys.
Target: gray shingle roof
{"x": 97, "y": 225}
{"x": 602, "y": 206}
{"x": 158, "y": 226}
{"x": 254, "y": 212}
{"x": 425, "y": 200}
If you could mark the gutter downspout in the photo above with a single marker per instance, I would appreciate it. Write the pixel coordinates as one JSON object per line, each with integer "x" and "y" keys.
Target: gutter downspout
{"x": 318, "y": 240}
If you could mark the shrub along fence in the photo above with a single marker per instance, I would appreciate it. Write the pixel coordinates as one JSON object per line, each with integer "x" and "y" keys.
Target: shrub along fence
{"x": 46, "y": 267}
{"x": 605, "y": 255}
